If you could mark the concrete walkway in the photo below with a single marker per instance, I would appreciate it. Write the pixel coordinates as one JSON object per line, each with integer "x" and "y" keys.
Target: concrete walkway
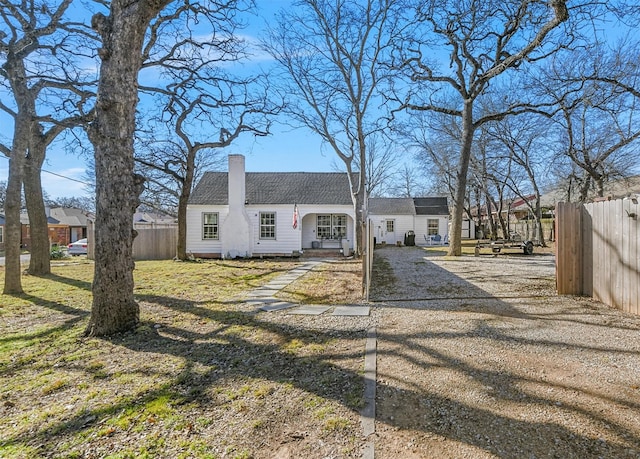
{"x": 24, "y": 258}
{"x": 264, "y": 298}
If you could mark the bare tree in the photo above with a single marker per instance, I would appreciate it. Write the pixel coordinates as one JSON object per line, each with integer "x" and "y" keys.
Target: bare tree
{"x": 522, "y": 141}
{"x": 39, "y": 45}
{"x": 332, "y": 53}
{"x": 434, "y": 141}
{"x": 408, "y": 182}
{"x": 224, "y": 105}
{"x": 132, "y": 35}
{"x": 483, "y": 40}
{"x": 117, "y": 186}
{"x": 488, "y": 190}
{"x": 83, "y": 203}
{"x": 598, "y": 122}
{"x": 381, "y": 166}
{"x": 203, "y": 107}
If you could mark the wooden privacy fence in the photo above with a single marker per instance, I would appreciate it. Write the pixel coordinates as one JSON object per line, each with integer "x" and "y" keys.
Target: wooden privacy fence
{"x": 598, "y": 252}
{"x": 153, "y": 242}
{"x": 528, "y": 229}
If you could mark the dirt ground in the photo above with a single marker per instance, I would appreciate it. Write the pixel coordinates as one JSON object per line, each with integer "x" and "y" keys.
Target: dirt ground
{"x": 479, "y": 358}
{"x": 476, "y": 358}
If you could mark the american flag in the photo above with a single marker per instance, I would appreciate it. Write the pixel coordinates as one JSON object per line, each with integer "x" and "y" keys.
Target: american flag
{"x": 295, "y": 216}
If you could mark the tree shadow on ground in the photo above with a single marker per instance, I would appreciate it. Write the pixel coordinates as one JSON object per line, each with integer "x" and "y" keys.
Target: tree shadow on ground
{"x": 216, "y": 344}
{"x": 450, "y": 380}
{"x": 85, "y": 285}
{"x": 229, "y": 343}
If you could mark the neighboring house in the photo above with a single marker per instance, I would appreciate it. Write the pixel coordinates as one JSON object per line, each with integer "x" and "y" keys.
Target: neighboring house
{"x": 153, "y": 220}
{"x": 393, "y": 218}
{"x": 239, "y": 214}
{"x": 65, "y": 224}
{"x": 512, "y": 211}
{"x": 249, "y": 214}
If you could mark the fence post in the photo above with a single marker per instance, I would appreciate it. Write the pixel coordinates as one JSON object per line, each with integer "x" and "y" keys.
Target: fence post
{"x": 569, "y": 249}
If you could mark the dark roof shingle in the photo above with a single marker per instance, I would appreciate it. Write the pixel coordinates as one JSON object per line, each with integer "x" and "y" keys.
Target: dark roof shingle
{"x": 391, "y": 206}
{"x": 431, "y": 206}
{"x": 276, "y": 188}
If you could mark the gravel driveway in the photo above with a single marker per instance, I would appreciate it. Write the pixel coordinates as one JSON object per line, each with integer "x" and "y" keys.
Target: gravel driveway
{"x": 478, "y": 358}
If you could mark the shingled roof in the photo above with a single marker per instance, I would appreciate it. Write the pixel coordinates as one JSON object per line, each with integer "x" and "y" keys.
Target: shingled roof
{"x": 68, "y": 216}
{"x": 431, "y": 206}
{"x": 276, "y": 188}
{"x": 391, "y": 206}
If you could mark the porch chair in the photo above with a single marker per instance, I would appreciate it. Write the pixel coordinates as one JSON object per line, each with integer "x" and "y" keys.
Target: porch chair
{"x": 433, "y": 239}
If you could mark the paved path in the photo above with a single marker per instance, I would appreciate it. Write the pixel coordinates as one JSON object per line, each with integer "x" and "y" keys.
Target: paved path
{"x": 23, "y": 259}
{"x": 264, "y": 298}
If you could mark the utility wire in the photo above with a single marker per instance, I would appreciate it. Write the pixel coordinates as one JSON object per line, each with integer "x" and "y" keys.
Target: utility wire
{"x": 60, "y": 175}
{"x": 68, "y": 178}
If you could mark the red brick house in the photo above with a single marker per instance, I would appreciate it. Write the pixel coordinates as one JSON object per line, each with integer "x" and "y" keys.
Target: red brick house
{"x": 66, "y": 225}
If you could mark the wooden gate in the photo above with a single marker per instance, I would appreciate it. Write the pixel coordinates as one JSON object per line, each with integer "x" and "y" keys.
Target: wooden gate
{"x": 598, "y": 251}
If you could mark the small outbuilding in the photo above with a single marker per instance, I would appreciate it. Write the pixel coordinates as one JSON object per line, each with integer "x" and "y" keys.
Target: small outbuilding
{"x": 423, "y": 221}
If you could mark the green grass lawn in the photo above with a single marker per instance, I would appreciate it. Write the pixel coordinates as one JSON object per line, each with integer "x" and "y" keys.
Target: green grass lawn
{"x": 200, "y": 377}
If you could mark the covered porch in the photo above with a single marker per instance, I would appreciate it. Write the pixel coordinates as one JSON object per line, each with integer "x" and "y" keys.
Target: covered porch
{"x": 327, "y": 231}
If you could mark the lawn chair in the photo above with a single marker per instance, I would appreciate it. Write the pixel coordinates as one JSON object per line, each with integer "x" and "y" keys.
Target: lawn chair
{"x": 433, "y": 239}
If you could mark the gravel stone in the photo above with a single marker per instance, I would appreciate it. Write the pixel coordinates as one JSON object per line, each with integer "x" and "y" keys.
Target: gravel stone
{"x": 479, "y": 357}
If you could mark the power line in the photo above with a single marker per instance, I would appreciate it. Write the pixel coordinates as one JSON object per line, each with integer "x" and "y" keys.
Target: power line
{"x": 68, "y": 178}
{"x": 59, "y": 175}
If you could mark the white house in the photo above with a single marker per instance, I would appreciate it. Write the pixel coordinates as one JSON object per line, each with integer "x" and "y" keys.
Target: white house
{"x": 248, "y": 214}
{"x": 393, "y": 218}
{"x": 245, "y": 214}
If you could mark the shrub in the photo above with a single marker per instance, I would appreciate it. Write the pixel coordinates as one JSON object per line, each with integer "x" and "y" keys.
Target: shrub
{"x": 57, "y": 252}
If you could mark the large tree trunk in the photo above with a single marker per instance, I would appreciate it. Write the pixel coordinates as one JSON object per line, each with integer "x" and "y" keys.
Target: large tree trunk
{"x": 492, "y": 221}
{"x": 114, "y": 308}
{"x": 181, "y": 251}
{"x": 538, "y": 220}
{"x": 359, "y": 223}
{"x": 183, "y": 200}
{"x": 12, "y": 226}
{"x": 455, "y": 237}
{"x": 21, "y": 135}
{"x": 40, "y": 261}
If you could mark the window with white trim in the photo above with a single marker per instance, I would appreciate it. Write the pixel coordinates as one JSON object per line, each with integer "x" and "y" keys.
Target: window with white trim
{"x": 339, "y": 223}
{"x": 323, "y": 226}
{"x": 391, "y": 226}
{"x": 432, "y": 226}
{"x": 267, "y": 225}
{"x": 210, "y": 226}
{"x": 331, "y": 226}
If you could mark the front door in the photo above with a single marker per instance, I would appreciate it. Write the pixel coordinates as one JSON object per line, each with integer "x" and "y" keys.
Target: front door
{"x": 390, "y": 232}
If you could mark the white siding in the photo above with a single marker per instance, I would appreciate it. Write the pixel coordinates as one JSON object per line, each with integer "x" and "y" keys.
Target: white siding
{"x": 403, "y": 224}
{"x": 195, "y": 243}
{"x": 406, "y": 223}
{"x": 287, "y": 241}
{"x": 421, "y": 227}
{"x": 308, "y": 215}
